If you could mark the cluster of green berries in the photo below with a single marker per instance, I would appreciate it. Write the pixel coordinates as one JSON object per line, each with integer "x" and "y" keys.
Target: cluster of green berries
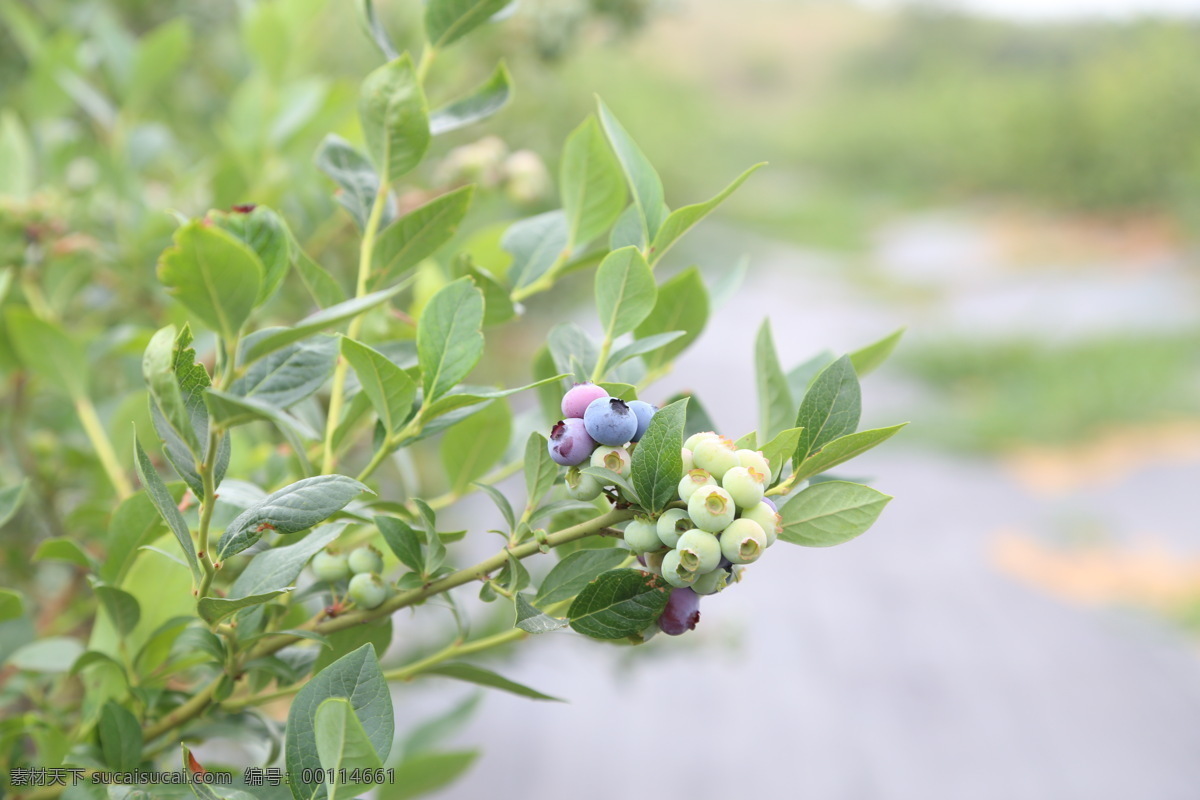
{"x": 596, "y": 429}
{"x": 361, "y": 567}
{"x": 728, "y": 522}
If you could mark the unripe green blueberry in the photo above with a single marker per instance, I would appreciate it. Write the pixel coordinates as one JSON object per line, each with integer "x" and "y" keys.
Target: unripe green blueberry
{"x": 367, "y": 590}
{"x": 654, "y": 560}
{"x": 331, "y": 566}
{"x": 366, "y": 559}
{"x": 688, "y": 463}
{"x": 717, "y": 456}
{"x": 745, "y": 485}
{"x": 674, "y": 572}
{"x": 767, "y": 518}
{"x": 711, "y": 582}
{"x": 671, "y": 525}
{"x": 692, "y": 481}
{"x": 743, "y": 541}
{"x": 613, "y": 458}
{"x": 642, "y": 536}
{"x": 697, "y": 438}
{"x": 699, "y": 551}
{"x": 582, "y": 487}
{"x": 755, "y": 459}
{"x": 711, "y": 509}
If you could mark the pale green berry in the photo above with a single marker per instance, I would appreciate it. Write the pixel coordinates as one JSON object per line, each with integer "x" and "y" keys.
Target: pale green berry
{"x": 711, "y": 582}
{"x": 711, "y": 509}
{"x": 688, "y": 463}
{"x": 755, "y": 459}
{"x": 642, "y": 536}
{"x": 743, "y": 541}
{"x": 331, "y": 566}
{"x": 613, "y": 458}
{"x": 674, "y": 572}
{"x": 366, "y": 559}
{"x": 692, "y": 481}
{"x": 582, "y": 487}
{"x": 671, "y": 526}
{"x": 654, "y": 560}
{"x": 367, "y": 590}
{"x": 716, "y": 456}
{"x": 697, "y": 438}
{"x": 699, "y": 551}
{"x": 745, "y": 485}
{"x": 767, "y": 518}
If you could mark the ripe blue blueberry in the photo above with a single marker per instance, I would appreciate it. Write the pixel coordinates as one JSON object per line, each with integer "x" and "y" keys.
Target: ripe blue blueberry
{"x": 367, "y": 590}
{"x": 745, "y": 485}
{"x": 717, "y": 456}
{"x": 642, "y": 536}
{"x": 365, "y": 559}
{"x": 699, "y": 551}
{"x": 570, "y": 444}
{"x": 674, "y": 572}
{"x": 711, "y": 508}
{"x": 582, "y": 487}
{"x": 681, "y": 614}
{"x": 696, "y": 479}
{"x": 743, "y": 541}
{"x": 615, "y": 459}
{"x": 330, "y": 566}
{"x": 609, "y": 421}
{"x": 643, "y": 411}
{"x": 576, "y": 400}
{"x": 671, "y": 525}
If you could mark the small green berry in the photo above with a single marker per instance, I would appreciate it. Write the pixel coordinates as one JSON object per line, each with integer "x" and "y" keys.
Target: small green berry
{"x": 717, "y": 456}
{"x": 745, "y": 485}
{"x": 368, "y": 590}
{"x": 711, "y": 509}
{"x": 366, "y": 559}
{"x": 654, "y": 561}
{"x": 613, "y": 458}
{"x": 767, "y": 518}
{"x": 674, "y": 572}
{"x": 696, "y": 479}
{"x": 699, "y": 551}
{"x": 697, "y": 438}
{"x": 582, "y": 487}
{"x": 755, "y": 459}
{"x": 642, "y": 536}
{"x": 711, "y": 582}
{"x": 743, "y": 541}
{"x": 688, "y": 463}
{"x": 671, "y": 525}
{"x": 331, "y": 566}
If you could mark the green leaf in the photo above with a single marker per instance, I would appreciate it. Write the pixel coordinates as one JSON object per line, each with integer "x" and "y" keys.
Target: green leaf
{"x": 402, "y": 540}
{"x": 418, "y": 234}
{"x": 801, "y": 376}
{"x": 628, "y": 230}
{"x": 625, "y": 291}
{"x": 229, "y": 411}
{"x": 391, "y": 391}
{"x": 473, "y": 446}
{"x": 658, "y": 460}
{"x": 158, "y": 370}
{"x": 573, "y": 573}
{"x": 607, "y": 478}
{"x": 775, "y": 407}
{"x": 357, "y": 678}
{"x": 290, "y": 374}
{"x": 325, "y": 318}
{"x": 435, "y": 551}
{"x": 568, "y": 342}
{"x": 830, "y": 513}
{"x": 12, "y": 605}
{"x": 841, "y": 450}
{"x": 262, "y": 230}
{"x": 531, "y": 620}
{"x": 682, "y": 305}
{"x": 292, "y": 509}
{"x": 462, "y": 399}
{"x": 483, "y": 101}
{"x": 215, "y": 609}
{"x": 642, "y": 346}
{"x": 449, "y": 337}
{"x": 157, "y": 491}
{"x": 425, "y": 773}
{"x": 621, "y": 391}
{"x": 447, "y": 21}
{"x": 831, "y": 408}
{"x": 157, "y": 60}
{"x": 497, "y": 304}
{"x": 536, "y": 245}
{"x": 395, "y": 118}
{"x": 357, "y": 181}
{"x": 11, "y": 498}
{"x": 213, "y": 275}
{"x": 135, "y": 522}
{"x": 120, "y": 738}
{"x": 780, "y": 449}
{"x": 343, "y": 748}
{"x": 51, "y": 655}
{"x": 644, "y": 182}
{"x": 501, "y": 503}
{"x": 591, "y": 184}
{"x": 540, "y": 470}
{"x": 682, "y": 220}
{"x": 377, "y": 633}
{"x": 46, "y": 350}
{"x": 866, "y": 359}
{"x": 319, "y": 283}
{"x": 278, "y": 568}
{"x": 485, "y": 677}
{"x": 122, "y": 608}
{"x": 377, "y": 31}
{"x": 619, "y": 603}
{"x": 60, "y": 548}
{"x": 17, "y": 161}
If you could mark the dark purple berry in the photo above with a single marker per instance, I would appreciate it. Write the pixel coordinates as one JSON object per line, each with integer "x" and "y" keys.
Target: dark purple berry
{"x": 682, "y": 612}
{"x": 570, "y": 444}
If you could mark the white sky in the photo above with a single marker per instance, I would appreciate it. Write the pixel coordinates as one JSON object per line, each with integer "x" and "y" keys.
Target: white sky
{"x": 1066, "y": 9}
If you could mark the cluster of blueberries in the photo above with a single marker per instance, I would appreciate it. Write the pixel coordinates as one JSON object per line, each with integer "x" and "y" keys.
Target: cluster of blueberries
{"x": 361, "y": 567}
{"x": 728, "y": 520}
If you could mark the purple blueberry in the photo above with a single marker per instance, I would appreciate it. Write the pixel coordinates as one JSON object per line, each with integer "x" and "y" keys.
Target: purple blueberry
{"x": 771, "y": 503}
{"x": 610, "y": 421}
{"x": 682, "y": 612}
{"x": 576, "y": 400}
{"x": 643, "y": 412}
{"x": 570, "y": 444}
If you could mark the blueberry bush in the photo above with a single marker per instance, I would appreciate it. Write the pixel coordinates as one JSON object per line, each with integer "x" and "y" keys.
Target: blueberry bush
{"x": 275, "y": 513}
